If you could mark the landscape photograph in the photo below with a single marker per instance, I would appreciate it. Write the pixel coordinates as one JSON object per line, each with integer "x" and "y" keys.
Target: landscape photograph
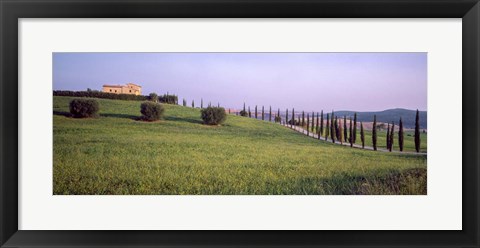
{"x": 185, "y": 123}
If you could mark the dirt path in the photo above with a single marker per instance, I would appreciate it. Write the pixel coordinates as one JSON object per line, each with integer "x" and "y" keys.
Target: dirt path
{"x": 301, "y": 130}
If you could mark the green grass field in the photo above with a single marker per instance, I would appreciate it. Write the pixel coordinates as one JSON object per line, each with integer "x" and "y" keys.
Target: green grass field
{"x": 116, "y": 154}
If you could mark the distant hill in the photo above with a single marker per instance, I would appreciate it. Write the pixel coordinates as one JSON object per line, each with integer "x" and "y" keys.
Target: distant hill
{"x": 389, "y": 115}
{"x": 385, "y": 116}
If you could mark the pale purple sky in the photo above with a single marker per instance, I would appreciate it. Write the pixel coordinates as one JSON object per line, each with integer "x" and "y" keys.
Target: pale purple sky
{"x": 305, "y": 81}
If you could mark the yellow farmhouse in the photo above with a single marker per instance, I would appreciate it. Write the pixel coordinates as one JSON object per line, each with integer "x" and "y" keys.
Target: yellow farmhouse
{"x": 129, "y": 88}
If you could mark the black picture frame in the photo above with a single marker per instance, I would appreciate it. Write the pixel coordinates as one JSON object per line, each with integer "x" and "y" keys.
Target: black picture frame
{"x": 12, "y": 10}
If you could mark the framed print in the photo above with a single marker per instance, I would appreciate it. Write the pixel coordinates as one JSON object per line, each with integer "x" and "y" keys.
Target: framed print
{"x": 239, "y": 123}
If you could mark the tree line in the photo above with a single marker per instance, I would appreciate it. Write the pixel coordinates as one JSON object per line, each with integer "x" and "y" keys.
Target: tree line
{"x": 165, "y": 98}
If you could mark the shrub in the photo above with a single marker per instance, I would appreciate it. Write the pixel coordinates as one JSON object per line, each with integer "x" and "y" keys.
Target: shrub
{"x": 153, "y": 97}
{"x": 278, "y": 118}
{"x": 243, "y": 113}
{"x": 213, "y": 115}
{"x": 83, "y": 108}
{"x": 151, "y": 111}
{"x": 294, "y": 122}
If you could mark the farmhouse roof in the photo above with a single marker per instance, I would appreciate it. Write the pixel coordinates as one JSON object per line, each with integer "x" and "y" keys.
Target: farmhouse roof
{"x": 113, "y": 86}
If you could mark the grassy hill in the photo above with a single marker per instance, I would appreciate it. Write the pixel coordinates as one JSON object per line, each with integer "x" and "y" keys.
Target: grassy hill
{"x": 116, "y": 154}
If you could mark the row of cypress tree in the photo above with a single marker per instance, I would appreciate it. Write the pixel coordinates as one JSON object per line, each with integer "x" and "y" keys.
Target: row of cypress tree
{"x": 184, "y": 103}
{"x": 401, "y": 133}
{"x": 245, "y": 112}
{"x": 336, "y": 131}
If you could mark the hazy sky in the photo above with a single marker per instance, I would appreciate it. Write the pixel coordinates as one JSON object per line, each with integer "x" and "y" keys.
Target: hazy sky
{"x": 305, "y": 81}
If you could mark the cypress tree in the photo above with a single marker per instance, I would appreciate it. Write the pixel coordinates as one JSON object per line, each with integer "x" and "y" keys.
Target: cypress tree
{"x": 312, "y": 126}
{"x": 317, "y": 126}
{"x": 249, "y": 112}
{"x": 308, "y": 124}
{"x": 184, "y": 102}
{"x": 244, "y": 110}
{"x": 354, "y": 128}
{"x": 374, "y": 133}
{"x": 313, "y": 122}
{"x": 321, "y": 125}
{"x": 218, "y": 105}
{"x": 345, "y": 128}
{"x": 362, "y": 135}
{"x": 327, "y": 128}
{"x": 388, "y": 137}
{"x": 256, "y": 112}
{"x": 201, "y": 103}
{"x": 286, "y": 117}
{"x": 337, "y": 128}
{"x": 400, "y": 135}
{"x": 293, "y": 118}
{"x": 303, "y": 119}
{"x": 417, "y": 132}
{"x": 278, "y": 112}
{"x": 270, "y": 114}
{"x": 351, "y": 133}
{"x": 340, "y": 131}
{"x": 333, "y": 132}
{"x": 263, "y": 113}
{"x": 392, "y": 132}
{"x": 193, "y": 104}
